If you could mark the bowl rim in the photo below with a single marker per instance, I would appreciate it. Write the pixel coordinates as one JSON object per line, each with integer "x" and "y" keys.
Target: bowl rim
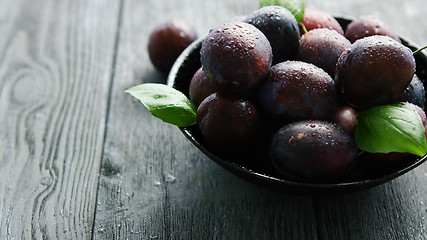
{"x": 281, "y": 184}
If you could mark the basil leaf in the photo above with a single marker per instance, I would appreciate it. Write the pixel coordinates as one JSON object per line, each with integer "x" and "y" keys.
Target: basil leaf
{"x": 296, "y": 7}
{"x": 165, "y": 103}
{"x": 390, "y": 128}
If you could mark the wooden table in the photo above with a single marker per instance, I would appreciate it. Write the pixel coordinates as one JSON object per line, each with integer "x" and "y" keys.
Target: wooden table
{"x": 80, "y": 159}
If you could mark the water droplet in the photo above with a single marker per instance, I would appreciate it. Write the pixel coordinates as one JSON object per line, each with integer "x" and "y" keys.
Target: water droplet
{"x": 170, "y": 178}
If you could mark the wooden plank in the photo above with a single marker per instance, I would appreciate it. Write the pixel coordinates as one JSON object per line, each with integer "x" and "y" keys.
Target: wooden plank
{"x": 154, "y": 184}
{"x": 55, "y": 74}
{"x": 395, "y": 210}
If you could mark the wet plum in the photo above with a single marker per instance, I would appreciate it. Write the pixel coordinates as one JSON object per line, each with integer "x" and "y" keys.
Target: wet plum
{"x": 365, "y": 26}
{"x": 375, "y": 70}
{"x": 346, "y": 118}
{"x": 314, "y": 18}
{"x": 229, "y": 124}
{"x": 414, "y": 93}
{"x": 313, "y": 150}
{"x": 281, "y": 29}
{"x": 201, "y": 87}
{"x": 322, "y": 47}
{"x": 237, "y": 55}
{"x": 167, "y": 41}
{"x": 295, "y": 90}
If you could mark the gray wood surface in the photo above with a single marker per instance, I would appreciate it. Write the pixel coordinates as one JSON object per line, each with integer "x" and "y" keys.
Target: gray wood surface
{"x": 55, "y": 72}
{"x": 81, "y": 159}
{"x": 154, "y": 183}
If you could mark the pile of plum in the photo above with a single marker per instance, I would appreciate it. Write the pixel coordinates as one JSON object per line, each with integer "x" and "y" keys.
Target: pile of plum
{"x": 266, "y": 84}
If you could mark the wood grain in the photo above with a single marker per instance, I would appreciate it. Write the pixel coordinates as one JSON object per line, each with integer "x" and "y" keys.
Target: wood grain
{"x": 55, "y": 72}
{"x": 154, "y": 183}
{"x": 165, "y": 189}
{"x": 81, "y": 159}
{"x": 395, "y": 210}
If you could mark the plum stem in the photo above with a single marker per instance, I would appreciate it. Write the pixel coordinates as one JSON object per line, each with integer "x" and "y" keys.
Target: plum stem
{"x": 304, "y": 29}
{"x": 360, "y": 153}
{"x": 419, "y": 50}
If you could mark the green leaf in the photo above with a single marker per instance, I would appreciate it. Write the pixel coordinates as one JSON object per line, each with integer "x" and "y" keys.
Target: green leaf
{"x": 165, "y": 103}
{"x": 390, "y": 128}
{"x": 296, "y": 7}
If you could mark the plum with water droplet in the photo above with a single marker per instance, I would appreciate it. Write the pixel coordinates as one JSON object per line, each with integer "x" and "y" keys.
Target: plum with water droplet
{"x": 295, "y": 90}
{"x": 322, "y": 47}
{"x": 237, "y": 56}
{"x": 314, "y": 18}
{"x": 374, "y": 70}
{"x": 313, "y": 150}
{"x": 229, "y": 124}
{"x": 201, "y": 87}
{"x": 281, "y": 29}
{"x": 168, "y": 40}
{"x": 365, "y": 26}
{"x": 414, "y": 93}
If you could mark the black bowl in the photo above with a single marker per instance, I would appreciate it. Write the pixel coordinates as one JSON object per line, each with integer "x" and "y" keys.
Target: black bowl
{"x": 262, "y": 172}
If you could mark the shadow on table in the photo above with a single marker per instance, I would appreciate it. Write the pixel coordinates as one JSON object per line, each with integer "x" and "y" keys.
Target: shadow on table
{"x": 213, "y": 202}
